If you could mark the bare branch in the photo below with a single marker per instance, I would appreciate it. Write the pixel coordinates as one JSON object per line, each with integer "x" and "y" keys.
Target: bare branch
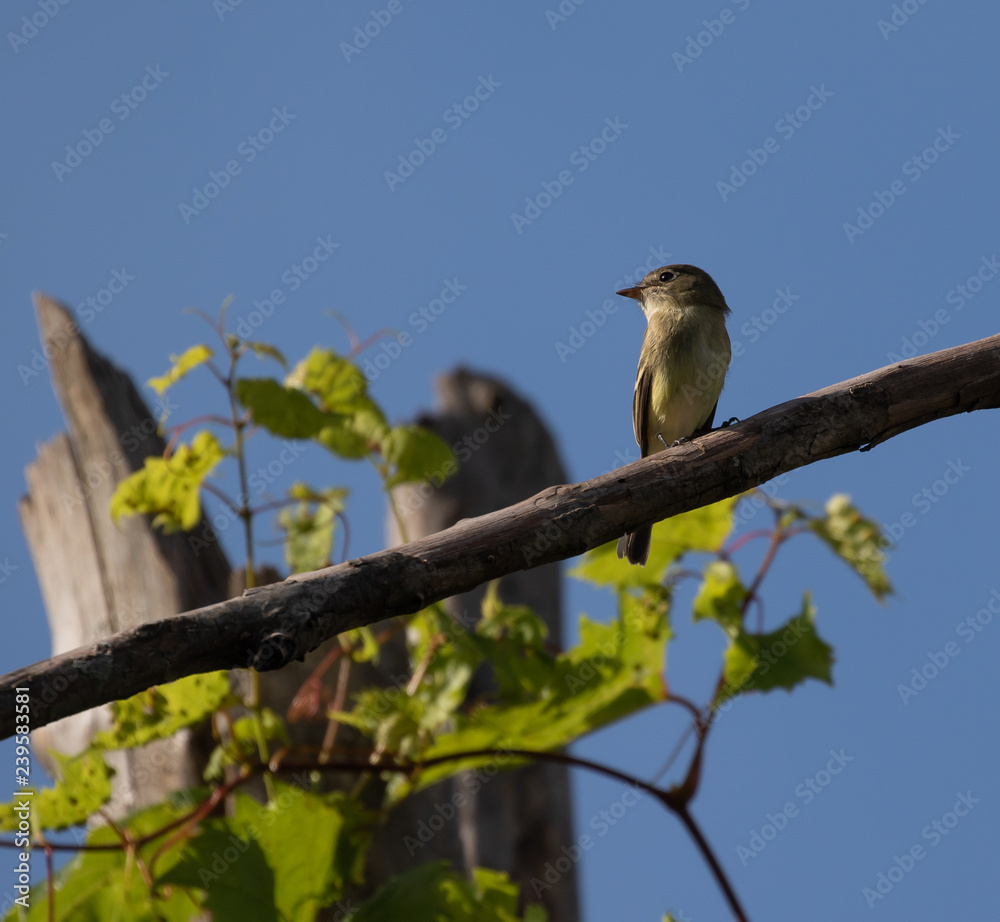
{"x": 273, "y": 625}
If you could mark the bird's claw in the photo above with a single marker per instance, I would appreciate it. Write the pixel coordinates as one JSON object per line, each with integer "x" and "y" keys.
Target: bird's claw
{"x": 663, "y": 441}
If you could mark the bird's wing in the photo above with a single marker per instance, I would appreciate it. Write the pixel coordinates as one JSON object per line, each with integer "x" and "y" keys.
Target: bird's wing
{"x": 707, "y": 425}
{"x": 640, "y": 407}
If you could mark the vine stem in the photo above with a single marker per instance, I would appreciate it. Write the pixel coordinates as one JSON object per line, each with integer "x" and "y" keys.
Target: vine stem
{"x": 674, "y": 800}
{"x": 50, "y": 884}
{"x": 239, "y": 423}
{"x": 684, "y": 815}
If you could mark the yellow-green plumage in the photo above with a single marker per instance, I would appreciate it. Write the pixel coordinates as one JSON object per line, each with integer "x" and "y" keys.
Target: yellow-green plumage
{"x": 685, "y": 354}
{"x": 682, "y": 367}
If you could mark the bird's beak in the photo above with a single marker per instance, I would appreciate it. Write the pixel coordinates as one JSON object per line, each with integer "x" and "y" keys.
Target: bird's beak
{"x": 635, "y": 293}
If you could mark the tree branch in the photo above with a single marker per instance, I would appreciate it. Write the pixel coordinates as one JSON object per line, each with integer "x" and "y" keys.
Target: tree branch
{"x": 270, "y": 626}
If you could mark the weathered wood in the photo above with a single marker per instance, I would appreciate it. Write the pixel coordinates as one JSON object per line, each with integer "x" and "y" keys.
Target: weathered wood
{"x": 276, "y": 624}
{"x": 98, "y": 579}
{"x": 512, "y": 821}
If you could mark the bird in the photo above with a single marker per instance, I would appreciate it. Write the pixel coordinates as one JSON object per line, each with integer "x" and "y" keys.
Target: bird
{"x": 682, "y": 368}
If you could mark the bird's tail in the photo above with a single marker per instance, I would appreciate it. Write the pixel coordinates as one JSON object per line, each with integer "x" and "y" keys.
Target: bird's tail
{"x": 635, "y": 547}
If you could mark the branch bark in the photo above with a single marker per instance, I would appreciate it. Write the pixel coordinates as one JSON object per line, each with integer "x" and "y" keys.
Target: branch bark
{"x": 273, "y": 625}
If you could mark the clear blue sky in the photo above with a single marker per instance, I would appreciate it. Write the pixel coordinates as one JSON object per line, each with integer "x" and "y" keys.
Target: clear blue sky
{"x": 595, "y": 104}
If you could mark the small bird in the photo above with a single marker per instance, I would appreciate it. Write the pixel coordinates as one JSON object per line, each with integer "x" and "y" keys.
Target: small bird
{"x": 682, "y": 367}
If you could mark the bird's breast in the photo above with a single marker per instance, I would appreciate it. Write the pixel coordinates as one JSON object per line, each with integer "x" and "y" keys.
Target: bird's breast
{"x": 689, "y": 352}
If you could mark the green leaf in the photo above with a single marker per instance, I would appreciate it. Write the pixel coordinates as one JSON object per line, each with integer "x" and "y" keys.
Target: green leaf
{"x": 356, "y": 435}
{"x": 345, "y": 442}
{"x": 335, "y": 381}
{"x": 703, "y": 529}
{"x": 512, "y": 639}
{"x": 265, "y": 350}
{"x": 403, "y": 723}
{"x": 616, "y": 670}
{"x": 241, "y": 745}
{"x": 286, "y": 412}
{"x": 84, "y": 786}
{"x": 101, "y": 885}
{"x": 721, "y": 596}
{"x": 416, "y": 454}
{"x": 368, "y": 423}
{"x": 279, "y": 861}
{"x": 390, "y": 717}
{"x": 309, "y": 526}
{"x": 191, "y": 358}
{"x": 856, "y": 540}
{"x": 308, "y": 536}
{"x": 780, "y": 659}
{"x": 159, "y": 712}
{"x": 434, "y": 892}
{"x": 167, "y": 488}
{"x": 271, "y": 725}
{"x": 356, "y": 425}
{"x": 364, "y": 646}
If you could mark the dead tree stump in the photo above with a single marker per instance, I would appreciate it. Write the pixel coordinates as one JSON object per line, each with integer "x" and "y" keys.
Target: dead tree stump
{"x": 515, "y": 821}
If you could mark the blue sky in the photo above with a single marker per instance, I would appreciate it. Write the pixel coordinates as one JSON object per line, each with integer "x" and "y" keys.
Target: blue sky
{"x": 837, "y": 178}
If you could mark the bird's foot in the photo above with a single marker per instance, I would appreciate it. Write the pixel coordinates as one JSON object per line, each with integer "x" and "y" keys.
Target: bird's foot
{"x": 663, "y": 441}
{"x": 729, "y": 422}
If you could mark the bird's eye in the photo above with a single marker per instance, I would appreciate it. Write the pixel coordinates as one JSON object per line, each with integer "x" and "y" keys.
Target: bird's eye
{"x": 666, "y": 276}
